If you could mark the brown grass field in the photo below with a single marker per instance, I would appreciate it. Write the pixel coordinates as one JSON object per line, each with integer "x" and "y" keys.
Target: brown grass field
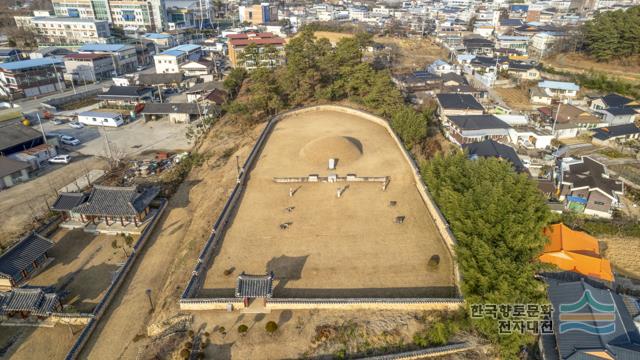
{"x": 516, "y": 98}
{"x": 623, "y": 254}
{"x": 335, "y": 247}
{"x": 576, "y": 62}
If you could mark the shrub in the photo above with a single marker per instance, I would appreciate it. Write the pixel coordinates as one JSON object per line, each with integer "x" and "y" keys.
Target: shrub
{"x": 242, "y": 329}
{"x": 184, "y": 353}
{"x": 188, "y": 345}
{"x": 271, "y": 327}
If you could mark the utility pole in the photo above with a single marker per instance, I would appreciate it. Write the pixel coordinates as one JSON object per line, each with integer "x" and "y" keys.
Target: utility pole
{"x": 44, "y": 136}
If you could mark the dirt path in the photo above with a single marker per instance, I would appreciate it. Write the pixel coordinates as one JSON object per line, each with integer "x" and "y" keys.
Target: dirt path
{"x": 168, "y": 258}
{"x": 23, "y": 200}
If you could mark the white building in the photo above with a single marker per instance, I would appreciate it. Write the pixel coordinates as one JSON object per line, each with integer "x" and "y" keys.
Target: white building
{"x": 67, "y": 30}
{"x": 440, "y": 67}
{"x": 100, "y": 118}
{"x": 169, "y": 61}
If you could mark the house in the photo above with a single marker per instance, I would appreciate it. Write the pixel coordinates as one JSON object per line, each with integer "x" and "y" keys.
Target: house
{"x": 538, "y": 96}
{"x": 581, "y": 304}
{"x": 50, "y": 51}
{"x": 15, "y": 138}
{"x": 216, "y": 96}
{"x": 585, "y": 187}
{"x": 12, "y": 172}
{"x": 23, "y": 259}
{"x": 507, "y": 25}
{"x": 610, "y": 101}
{"x": 100, "y": 118}
{"x": 124, "y": 56}
{"x": 161, "y": 41}
{"x": 198, "y": 91}
{"x": 618, "y": 115}
{"x": 530, "y": 137}
{"x": 168, "y": 79}
{"x": 493, "y": 149}
{"x": 523, "y": 71}
{"x": 197, "y": 68}
{"x": 10, "y": 54}
{"x": 31, "y": 77}
{"x": 28, "y": 303}
{"x": 269, "y": 50}
{"x": 479, "y": 46}
{"x": 89, "y": 67}
{"x": 176, "y": 112}
{"x": 568, "y": 121}
{"x": 518, "y": 43}
{"x": 576, "y": 251}
{"x": 36, "y": 157}
{"x": 258, "y": 14}
{"x": 169, "y": 61}
{"x": 440, "y": 67}
{"x": 458, "y": 104}
{"x": 607, "y": 135}
{"x": 559, "y": 89}
{"x": 113, "y": 205}
{"x": 126, "y": 95}
{"x": 464, "y": 129}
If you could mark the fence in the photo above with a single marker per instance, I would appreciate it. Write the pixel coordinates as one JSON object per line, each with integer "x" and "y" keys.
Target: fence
{"x": 102, "y": 306}
{"x": 72, "y": 98}
{"x": 425, "y": 353}
{"x": 188, "y": 300}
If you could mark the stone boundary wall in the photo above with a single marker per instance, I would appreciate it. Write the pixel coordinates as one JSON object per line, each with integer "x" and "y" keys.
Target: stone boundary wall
{"x": 102, "y": 306}
{"x": 329, "y": 304}
{"x": 426, "y": 353}
{"x": 189, "y": 301}
{"x": 70, "y": 318}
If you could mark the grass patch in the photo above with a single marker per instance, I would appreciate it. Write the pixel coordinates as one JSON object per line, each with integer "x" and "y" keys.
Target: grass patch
{"x": 612, "y": 153}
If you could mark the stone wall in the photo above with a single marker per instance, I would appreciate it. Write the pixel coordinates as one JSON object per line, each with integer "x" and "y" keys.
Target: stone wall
{"x": 70, "y": 319}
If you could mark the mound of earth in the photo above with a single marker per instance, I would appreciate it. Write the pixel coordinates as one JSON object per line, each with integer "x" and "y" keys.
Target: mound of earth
{"x": 319, "y": 151}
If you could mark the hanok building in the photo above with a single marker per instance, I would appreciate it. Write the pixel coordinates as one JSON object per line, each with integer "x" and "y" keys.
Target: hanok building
{"x": 23, "y": 259}
{"x": 123, "y": 205}
{"x": 29, "y": 302}
{"x": 586, "y": 187}
{"x": 66, "y": 202}
{"x": 254, "y": 286}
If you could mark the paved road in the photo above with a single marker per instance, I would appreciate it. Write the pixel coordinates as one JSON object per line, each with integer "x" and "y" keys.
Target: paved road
{"x": 30, "y": 105}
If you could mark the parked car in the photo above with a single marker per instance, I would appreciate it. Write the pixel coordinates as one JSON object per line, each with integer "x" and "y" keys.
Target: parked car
{"x": 140, "y": 68}
{"x": 60, "y": 159}
{"x": 76, "y": 125}
{"x": 69, "y": 140}
{"x": 54, "y": 134}
{"x": 57, "y": 121}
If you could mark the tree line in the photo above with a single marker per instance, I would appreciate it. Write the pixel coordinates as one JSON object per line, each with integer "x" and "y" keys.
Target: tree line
{"x": 613, "y": 34}
{"x": 317, "y": 72}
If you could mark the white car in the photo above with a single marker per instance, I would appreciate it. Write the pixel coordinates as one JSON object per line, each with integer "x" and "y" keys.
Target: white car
{"x": 69, "y": 140}
{"x": 57, "y": 121}
{"x": 60, "y": 159}
{"x": 76, "y": 125}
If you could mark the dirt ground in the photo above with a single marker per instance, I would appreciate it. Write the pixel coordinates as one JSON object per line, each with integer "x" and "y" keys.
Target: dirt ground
{"x": 623, "y": 254}
{"x": 37, "y": 343}
{"x": 516, "y": 98}
{"x": 83, "y": 267}
{"x": 413, "y": 54}
{"x": 23, "y": 200}
{"x": 576, "y": 62}
{"x": 333, "y": 37}
{"x": 334, "y": 247}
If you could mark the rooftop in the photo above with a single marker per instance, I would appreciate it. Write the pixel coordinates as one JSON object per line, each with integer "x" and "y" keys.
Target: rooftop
{"x": 15, "y": 134}
{"x": 23, "y": 254}
{"x": 174, "y": 108}
{"x": 620, "y": 111}
{"x": 9, "y": 166}
{"x": 478, "y": 122}
{"x": 609, "y": 132}
{"x": 117, "y": 201}
{"x": 27, "y": 64}
{"x": 592, "y": 175}
{"x": 558, "y": 85}
{"x": 105, "y": 47}
{"x": 124, "y": 92}
{"x": 68, "y": 201}
{"x": 65, "y": 19}
{"x": 615, "y": 100}
{"x": 490, "y": 148}
{"x": 458, "y": 101}
{"x": 32, "y": 300}
{"x": 86, "y": 56}
{"x": 101, "y": 114}
{"x": 254, "y": 286}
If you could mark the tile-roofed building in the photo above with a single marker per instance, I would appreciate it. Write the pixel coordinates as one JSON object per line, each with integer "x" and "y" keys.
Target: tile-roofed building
{"x": 458, "y": 104}
{"x": 618, "y": 115}
{"x": 160, "y": 79}
{"x": 617, "y": 338}
{"x": 128, "y": 204}
{"x": 624, "y": 131}
{"x": 586, "y": 187}
{"x": 29, "y": 301}
{"x": 22, "y": 259}
{"x": 576, "y": 251}
{"x": 610, "y": 100}
{"x": 493, "y": 149}
{"x": 465, "y": 129}
{"x": 254, "y": 286}
{"x": 66, "y": 202}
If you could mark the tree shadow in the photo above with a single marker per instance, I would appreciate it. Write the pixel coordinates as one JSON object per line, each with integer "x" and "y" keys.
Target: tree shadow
{"x": 70, "y": 246}
{"x": 286, "y": 268}
{"x": 284, "y": 317}
{"x": 219, "y": 351}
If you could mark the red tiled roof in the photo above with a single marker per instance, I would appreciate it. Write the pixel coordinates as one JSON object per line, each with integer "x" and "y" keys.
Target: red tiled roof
{"x": 86, "y": 56}
{"x": 237, "y": 36}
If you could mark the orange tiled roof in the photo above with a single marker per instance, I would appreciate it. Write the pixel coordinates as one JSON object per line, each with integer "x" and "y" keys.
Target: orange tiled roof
{"x": 575, "y": 251}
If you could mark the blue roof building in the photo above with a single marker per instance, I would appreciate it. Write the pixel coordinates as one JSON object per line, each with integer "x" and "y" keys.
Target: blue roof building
{"x": 33, "y": 77}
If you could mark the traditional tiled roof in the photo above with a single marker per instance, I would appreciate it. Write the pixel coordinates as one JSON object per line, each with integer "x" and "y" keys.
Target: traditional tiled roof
{"x": 155, "y": 79}
{"x": 254, "y": 286}
{"x": 125, "y": 92}
{"x": 32, "y": 300}
{"x": 68, "y": 201}
{"x": 23, "y": 254}
{"x": 117, "y": 201}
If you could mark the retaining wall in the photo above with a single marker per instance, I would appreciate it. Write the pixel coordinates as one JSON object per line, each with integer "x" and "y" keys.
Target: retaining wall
{"x": 329, "y": 304}
{"x": 188, "y": 300}
{"x": 70, "y": 319}
{"x": 426, "y": 353}
{"x": 102, "y": 306}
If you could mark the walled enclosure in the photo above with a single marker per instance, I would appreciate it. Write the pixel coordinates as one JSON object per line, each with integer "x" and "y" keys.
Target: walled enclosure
{"x": 197, "y": 298}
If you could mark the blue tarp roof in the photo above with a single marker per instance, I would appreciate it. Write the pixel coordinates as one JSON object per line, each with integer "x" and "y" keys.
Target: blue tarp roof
{"x": 103, "y": 47}
{"x": 25, "y": 64}
{"x": 559, "y": 85}
{"x": 577, "y": 199}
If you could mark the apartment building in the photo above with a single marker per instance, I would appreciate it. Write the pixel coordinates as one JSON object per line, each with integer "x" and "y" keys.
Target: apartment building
{"x": 269, "y": 50}
{"x": 54, "y": 30}
{"x": 169, "y": 61}
{"x": 89, "y": 67}
{"x": 140, "y": 14}
{"x": 258, "y": 14}
{"x": 123, "y": 56}
{"x": 84, "y": 9}
{"x": 31, "y": 77}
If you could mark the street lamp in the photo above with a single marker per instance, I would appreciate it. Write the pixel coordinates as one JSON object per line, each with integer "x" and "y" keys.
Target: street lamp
{"x": 148, "y": 292}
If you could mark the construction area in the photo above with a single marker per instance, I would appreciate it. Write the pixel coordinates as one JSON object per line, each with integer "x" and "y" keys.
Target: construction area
{"x": 358, "y": 230}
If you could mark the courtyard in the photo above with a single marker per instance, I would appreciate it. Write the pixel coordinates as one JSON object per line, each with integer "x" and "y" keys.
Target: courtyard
{"x": 322, "y": 245}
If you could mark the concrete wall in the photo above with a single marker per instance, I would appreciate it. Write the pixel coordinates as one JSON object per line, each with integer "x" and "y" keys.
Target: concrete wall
{"x": 190, "y": 302}
{"x": 328, "y": 304}
{"x": 70, "y": 319}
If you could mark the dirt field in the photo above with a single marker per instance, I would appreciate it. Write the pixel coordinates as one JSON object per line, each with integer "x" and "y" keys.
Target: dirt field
{"x": 84, "y": 266}
{"x": 412, "y": 54}
{"x": 515, "y": 98}
{"x": 22, "y": 343}
{"x": 23, "y": 200}
{"x": 335, "y": 247}
{"x": 623, "y": 254}
{"x": 575, "y": 62}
